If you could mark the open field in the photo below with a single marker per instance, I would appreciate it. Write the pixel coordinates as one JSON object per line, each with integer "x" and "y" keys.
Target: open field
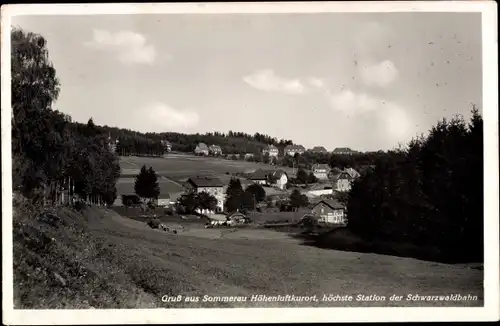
{"x": 134, "y": 266}
{"x": 180, "y": 167}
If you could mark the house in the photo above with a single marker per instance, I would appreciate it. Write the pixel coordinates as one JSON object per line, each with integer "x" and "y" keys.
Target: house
{"x": 271, "y": 150}
{"x": 201, "y": 149}
{"x": 249, "y": 156}
{"x": 342, "y": 182}
{"x": 328, "y": 212}
{"x": 321, "y": 171}
{"x": 276, "y": 178}
{"x": 167, "y": 146}
{"x": 353, "y": 173}
{"x": 319, "y": 149}
{"x": 319, "y": 189}
{"x": 210, "y": 185}
{"x": 294, "y": 149}
{"x": 215, "y": 150}
{"x": 237, "y": 218}
{"x": 343, "y": 151}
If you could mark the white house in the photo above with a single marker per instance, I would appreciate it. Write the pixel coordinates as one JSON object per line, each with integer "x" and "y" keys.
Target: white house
{"x": 329, "y": 212}
{"x": 320, "y": 189}
{"x": 321, "y": 171}
{"x": 294, "y": 149}
{"x": 201, "y": 149}
{"x": 212, "y": 186}
{"x": 276, "y": 178}
{"x": 215, "y": 150}
{"x": 342, "y": 182}
{"x": 271, "y": 150}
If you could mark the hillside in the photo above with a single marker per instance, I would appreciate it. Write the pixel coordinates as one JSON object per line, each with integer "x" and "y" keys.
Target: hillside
{"x": 230, "y": 142}
{"x": 96, "y": 258}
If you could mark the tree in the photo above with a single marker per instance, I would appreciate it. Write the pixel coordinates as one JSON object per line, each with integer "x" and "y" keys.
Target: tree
{"x": 234, "y": 194}
{"x": 257, "y": 191}
{"x": 311, "y": 178}
{"x": 207, "y": 201}
{"x": 298, "y": 200}
{"x": 188, "y": 203}
{"x": 302, "y": 176}
{"x": 146, "y": 184}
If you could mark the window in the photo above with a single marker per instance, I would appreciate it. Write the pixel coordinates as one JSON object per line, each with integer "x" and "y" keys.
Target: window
{"x": 322, "y": 210}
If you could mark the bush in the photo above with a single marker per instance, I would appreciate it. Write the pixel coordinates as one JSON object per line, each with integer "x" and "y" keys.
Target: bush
{"x": 154, "y": 223}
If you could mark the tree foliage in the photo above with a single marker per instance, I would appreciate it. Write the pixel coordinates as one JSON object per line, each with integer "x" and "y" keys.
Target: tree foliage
{"x": 298, "y": 200}
{"x": 234, "y": 194}
{"x": 146, "y": 184}
{"x": 429, "y": 193}
{"x": 52, "y": 156}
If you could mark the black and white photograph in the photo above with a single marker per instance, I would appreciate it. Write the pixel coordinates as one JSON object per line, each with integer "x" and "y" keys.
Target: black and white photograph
{"x": 184, "y": 158}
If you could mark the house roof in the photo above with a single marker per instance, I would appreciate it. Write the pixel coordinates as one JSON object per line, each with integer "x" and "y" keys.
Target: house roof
{"x": 215, "y": 147}
{"x": 235, "y": 214}
{"x": 320, "y": 186}
{"x": 319, "y": 149}
{"x": 270, "y": 147}
{"x": 341, "y": 175}
{"x": 200, "y": 182}
{"x": 353, "y": 173}
{"x": 259, "y": 175}
{"x": 342, "y": 149}
{"x": 321, "y": 167}
{"x": 332, "y": 203}
{"x": 202, "y": 146}
{"x": 294, "y": 147}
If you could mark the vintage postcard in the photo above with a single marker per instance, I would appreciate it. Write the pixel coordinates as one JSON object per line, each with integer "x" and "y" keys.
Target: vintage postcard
{"x": 250, "y": 162}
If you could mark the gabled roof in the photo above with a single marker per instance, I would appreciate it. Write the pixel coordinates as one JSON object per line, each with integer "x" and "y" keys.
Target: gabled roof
{"x": 261, "y": 174}
{"x": 341, "y": 175}
{"x": 342, "y": 149}
{"x": 321, "y": 167}
{"x": 270, "y": 147}
{"x": 235, "y": 214}
{"x": 200, "y": 182}
{"x": 333, "y": 204}
{"x": 294, "y": 148}
{"x": 215, "y": 148}
{"x": 321, "y": 186}
{"x": 353, "y": 173}
{"x": 319, "y": 149}
{"x": 202, "y": 146}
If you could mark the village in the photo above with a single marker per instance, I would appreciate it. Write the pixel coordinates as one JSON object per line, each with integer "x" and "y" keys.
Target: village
{"x": 322, "y": 190}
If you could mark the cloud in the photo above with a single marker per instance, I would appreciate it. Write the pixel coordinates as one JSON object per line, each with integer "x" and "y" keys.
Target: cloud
{"x": 267, "y": 80}
{"x": 392, "y": 119}
{"x": 316, "y": 82}
{"x": 353, "y": 103}
{"x": 162, "y": 117}
{"x": 379, "y": 75}
{"x": 130, "y": 47}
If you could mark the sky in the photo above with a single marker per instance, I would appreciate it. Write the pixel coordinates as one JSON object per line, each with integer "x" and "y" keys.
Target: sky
{"x": 367, "y": 81}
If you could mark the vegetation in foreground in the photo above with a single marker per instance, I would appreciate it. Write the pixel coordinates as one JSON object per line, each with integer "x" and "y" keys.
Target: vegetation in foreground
{"x": 95, "y": 258}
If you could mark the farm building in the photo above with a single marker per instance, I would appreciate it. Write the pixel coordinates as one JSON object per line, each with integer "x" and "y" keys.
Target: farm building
{"x": 213, "y": 186}
{"x": 276, "y": 178}
{"x": 319, "y": 149}
{"x": 215, "y": 150}
{"x": 343, "y": 151}
{"x": 321, "y": 171}
{"x": 319, "y": 189}
{"x": 201, "y": 149}
{"x": 294, "y": 149}
{"x": 166, "y": 145}
{"x": 328, "y": 211}
{"x": 271, "y": 150}
{"x": 353, "y": 173}
{"x": 342, "y": 182}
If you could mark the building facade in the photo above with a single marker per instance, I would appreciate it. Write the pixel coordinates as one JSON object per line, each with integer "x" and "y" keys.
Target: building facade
{"x": 321, "y": 171}
{"x": 271, "y": 150}
{"x": 212, "y": 186}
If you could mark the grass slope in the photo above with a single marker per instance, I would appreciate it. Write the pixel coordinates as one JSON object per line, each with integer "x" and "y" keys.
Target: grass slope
{"x": 108, "y": 261}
